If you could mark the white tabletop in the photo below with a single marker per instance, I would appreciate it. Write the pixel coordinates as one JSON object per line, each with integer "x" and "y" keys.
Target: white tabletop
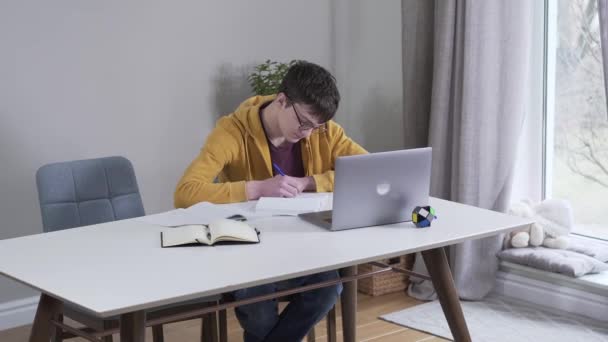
{"x": 119, "y": 267}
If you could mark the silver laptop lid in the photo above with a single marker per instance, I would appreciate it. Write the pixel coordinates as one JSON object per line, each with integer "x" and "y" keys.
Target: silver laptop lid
{"x": 380, "y": 188}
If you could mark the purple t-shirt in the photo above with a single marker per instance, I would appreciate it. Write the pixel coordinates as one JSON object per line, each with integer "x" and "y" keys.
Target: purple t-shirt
{"x": 288, "y": 157}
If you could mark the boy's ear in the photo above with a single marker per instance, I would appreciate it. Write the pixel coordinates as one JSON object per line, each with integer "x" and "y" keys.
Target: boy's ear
{"x": 282, "y": 99}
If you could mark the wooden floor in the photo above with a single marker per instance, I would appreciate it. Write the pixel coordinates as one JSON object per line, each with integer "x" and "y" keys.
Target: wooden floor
{"x": 369, "y": 327}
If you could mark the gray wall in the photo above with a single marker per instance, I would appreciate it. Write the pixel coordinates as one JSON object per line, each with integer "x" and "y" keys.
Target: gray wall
{"x": 369, "y": 71}
{"x": 148, "y": 79}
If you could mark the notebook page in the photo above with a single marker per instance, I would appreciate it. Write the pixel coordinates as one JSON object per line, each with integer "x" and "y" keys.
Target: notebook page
{"x": 232, "y": 230}
{"x": 184, "y": 235}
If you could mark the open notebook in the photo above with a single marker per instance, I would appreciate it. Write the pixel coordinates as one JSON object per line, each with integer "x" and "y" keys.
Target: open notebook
{"x": 222, "y": 230}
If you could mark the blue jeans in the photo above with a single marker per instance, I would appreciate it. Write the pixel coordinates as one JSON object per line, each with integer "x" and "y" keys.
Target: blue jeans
{"x": 262, "y": 322}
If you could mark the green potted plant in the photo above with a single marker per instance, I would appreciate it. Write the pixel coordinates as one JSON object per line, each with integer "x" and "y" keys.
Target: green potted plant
{"x": 267, "y": 77}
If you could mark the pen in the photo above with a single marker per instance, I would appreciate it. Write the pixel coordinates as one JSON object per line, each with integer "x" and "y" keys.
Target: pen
{"x": 278, "y": 169}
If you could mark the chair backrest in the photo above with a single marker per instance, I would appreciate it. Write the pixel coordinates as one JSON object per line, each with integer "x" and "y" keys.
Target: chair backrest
{"x": 83, "y": 192}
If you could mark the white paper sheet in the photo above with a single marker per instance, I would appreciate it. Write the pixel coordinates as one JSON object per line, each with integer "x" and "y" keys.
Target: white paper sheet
{"x": 289, "y": 206}
{"x": 200, "y": 213}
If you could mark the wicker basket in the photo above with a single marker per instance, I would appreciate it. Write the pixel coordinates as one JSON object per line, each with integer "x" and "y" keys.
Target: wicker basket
{"x": 387, "y": 282}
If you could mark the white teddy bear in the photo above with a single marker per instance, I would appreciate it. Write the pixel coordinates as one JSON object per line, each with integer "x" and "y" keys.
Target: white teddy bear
{"x": 553, "y": 222}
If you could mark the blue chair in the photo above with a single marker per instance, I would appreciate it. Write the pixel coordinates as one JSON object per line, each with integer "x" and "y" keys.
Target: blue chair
{"x": 92, "y": 191}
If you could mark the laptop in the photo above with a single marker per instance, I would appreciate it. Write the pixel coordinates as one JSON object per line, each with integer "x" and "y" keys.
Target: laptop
{"x": 376, "y": 189}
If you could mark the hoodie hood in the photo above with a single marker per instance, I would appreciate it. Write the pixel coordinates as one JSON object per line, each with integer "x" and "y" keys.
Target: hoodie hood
{"x": 246, "y": 119}
{"x": 247, "y": 116}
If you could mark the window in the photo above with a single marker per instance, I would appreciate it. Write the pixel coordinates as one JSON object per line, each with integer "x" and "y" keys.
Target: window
{"x": 576, "y": 136}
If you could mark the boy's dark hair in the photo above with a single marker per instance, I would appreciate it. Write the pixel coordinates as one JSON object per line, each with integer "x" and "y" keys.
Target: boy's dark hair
{"x": 312, "y": 85}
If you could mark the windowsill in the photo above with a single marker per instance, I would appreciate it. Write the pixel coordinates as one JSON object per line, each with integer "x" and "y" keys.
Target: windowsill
{"x": 596, "y": 232}
{"x": 599, "y": 237}
{"x": 593, "y": 283}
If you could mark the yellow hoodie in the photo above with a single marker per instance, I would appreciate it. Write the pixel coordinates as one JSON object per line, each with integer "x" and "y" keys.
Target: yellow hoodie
{"x": 237, "y": 151}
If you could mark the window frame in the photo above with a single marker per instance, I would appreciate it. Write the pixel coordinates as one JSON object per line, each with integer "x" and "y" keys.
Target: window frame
{"x": 550, "y": 35}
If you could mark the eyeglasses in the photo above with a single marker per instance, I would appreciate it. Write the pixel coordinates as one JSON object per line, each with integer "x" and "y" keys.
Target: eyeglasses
{"x": 305, "y": 126}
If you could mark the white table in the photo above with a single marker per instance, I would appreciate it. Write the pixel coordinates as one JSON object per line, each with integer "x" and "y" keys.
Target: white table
{"x": 119, "y": 268}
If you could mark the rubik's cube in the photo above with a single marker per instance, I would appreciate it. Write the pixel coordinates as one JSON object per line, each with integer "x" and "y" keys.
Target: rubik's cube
{"x": 422, "y": 216}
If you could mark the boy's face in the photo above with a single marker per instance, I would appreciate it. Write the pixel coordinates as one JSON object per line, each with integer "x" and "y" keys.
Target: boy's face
{"x": 297, "y": 122}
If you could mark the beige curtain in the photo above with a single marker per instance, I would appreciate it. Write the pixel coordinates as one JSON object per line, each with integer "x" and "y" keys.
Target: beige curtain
{"x": 466, "y": 76}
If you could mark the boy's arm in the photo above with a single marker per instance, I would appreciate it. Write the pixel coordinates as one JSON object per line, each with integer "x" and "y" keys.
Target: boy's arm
{"x": 197, "y": 183}
{"x": 342, "y": 145}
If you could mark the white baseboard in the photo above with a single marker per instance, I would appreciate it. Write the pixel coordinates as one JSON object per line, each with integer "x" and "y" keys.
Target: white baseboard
{"x": 18, "y": 312}
{"x": 552, "y": 296}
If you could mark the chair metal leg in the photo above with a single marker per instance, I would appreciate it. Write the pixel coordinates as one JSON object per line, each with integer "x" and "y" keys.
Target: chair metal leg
{"x": 332, "y": 335}
{"x": 311, "y": 337}
{"x": 107, "y": 325}
{"x": 158, "y": 334}
{"x": 223, "y": 325}
{"x": 331, "y": 328}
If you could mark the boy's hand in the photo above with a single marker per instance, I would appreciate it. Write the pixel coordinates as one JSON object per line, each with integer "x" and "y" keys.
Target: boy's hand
{"x": 278, "y": 186}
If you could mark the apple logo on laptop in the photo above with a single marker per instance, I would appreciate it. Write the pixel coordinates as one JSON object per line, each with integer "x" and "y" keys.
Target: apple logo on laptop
{"x": 383, "y": 189}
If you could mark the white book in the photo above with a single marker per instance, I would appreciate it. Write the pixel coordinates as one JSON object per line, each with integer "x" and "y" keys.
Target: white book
{"x": 222, "y": 230}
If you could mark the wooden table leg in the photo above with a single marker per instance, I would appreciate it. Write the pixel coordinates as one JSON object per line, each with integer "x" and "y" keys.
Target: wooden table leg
{"x": 48, "y": 308}
{"x": 209, "y": 331}
{"x": 349, "y": 305}
{"x": 437, "y": 264}
{"x": 133, "y": 327}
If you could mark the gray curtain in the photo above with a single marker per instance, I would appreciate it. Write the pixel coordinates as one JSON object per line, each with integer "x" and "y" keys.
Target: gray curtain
{"x": 466, "y": 95}
{"x": 603, "y": 11}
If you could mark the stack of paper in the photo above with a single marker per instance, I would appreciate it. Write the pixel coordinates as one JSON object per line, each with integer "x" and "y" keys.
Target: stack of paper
{"x": 289, "y": 206}
{"x": 205, "y": 212}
